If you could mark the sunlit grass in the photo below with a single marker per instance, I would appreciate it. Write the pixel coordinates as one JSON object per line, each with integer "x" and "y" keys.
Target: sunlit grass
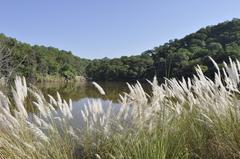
{"x": 188, "y": 118}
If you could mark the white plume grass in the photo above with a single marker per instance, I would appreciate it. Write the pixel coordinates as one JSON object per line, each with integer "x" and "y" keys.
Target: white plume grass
{"x": 178, "y": 118}
{"x": 99, "y": 88}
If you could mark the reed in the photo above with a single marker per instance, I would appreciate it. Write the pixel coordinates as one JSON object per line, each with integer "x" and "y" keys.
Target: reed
{"x": 188, "y": 118}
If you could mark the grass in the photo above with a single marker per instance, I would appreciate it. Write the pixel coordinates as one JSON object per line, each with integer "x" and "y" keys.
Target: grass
{"x": 188, "y": 118}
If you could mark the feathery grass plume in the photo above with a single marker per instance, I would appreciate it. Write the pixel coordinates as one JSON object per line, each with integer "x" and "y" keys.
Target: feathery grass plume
{"x": 99, "y": 88}
{"x": 188, "y": 118}
{"x": 19, "y": 95}
{"x": 34, "y": 130}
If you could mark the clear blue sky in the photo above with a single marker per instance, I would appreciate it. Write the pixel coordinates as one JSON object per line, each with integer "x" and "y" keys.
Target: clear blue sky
{"x": 109, "y": 28}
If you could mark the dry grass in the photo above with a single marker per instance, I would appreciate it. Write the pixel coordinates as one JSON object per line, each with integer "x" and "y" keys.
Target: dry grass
{"x": 190, "y": 118}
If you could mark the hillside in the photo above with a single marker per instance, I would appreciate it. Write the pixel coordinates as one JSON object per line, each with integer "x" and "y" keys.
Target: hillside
{"x": 121, "y": 69}
{"x": 37, "y": 62}
{"x": 178, "y": 57}
{"x": 175, "y": 58}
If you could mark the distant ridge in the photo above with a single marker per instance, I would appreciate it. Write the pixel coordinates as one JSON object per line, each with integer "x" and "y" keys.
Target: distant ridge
{"x": 175, "y": 58}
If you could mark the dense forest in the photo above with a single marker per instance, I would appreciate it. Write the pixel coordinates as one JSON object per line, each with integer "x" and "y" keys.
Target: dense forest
{"x": 178, "y": 57}
{"x": 121, "y": 69}
{"x": 175, "y": 58}
{"x": 38, "y": 62}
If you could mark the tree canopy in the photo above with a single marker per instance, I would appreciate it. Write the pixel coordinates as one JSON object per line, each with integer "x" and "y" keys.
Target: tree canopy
{"x": 121, "y": 69}
{"x": 175, "y": 58}
{"x": 35, "y": 62}
{"x": 178, "y": 57}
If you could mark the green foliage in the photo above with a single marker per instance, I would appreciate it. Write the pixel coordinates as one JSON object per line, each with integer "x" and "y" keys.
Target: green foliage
{"x": 121, "y": 69}
{"x": 177, "y": 58}
{"x": 38, "y": 61}
{"x": 67, "y": 72}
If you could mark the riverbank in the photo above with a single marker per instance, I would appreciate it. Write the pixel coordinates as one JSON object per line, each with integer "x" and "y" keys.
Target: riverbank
{"x": 50, "y": 78}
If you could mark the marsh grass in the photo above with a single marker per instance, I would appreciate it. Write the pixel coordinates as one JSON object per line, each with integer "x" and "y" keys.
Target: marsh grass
{"x": 188, "y": 118}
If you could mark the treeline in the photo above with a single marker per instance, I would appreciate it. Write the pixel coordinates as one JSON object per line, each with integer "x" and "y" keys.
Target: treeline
{"x": 176, "y": 58}
{"x": 37, "y": 62}
{"x": 121, "y": 69}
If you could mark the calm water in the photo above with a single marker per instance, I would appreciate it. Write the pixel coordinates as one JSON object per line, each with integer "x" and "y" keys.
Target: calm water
{"x": 80, "y": 92}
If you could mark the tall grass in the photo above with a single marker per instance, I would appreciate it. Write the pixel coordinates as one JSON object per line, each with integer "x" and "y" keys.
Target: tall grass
{"x": 188, "y": 118}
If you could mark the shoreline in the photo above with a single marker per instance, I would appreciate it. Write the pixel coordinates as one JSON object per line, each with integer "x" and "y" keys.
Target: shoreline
{"x": 53, "y": 79}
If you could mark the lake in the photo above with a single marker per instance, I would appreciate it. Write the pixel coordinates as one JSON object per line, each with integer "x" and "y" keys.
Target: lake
{"x": 82, "y": 93}
{"x": 77, "y": 91}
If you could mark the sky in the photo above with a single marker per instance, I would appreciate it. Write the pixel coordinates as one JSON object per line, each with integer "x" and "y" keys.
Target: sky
{"x": 109, "y": 28}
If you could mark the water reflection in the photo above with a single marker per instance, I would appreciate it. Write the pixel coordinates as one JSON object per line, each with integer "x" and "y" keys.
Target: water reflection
{"x": 77, "y": 120}
{"x": 82, "y": 93}
{"x": 78, "y": 91}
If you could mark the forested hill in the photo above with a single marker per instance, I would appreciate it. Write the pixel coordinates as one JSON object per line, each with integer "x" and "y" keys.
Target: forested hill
{"x": 38, "y": 62}
{"x": 175, "y": 58}
{"x": 178, "y": 57}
